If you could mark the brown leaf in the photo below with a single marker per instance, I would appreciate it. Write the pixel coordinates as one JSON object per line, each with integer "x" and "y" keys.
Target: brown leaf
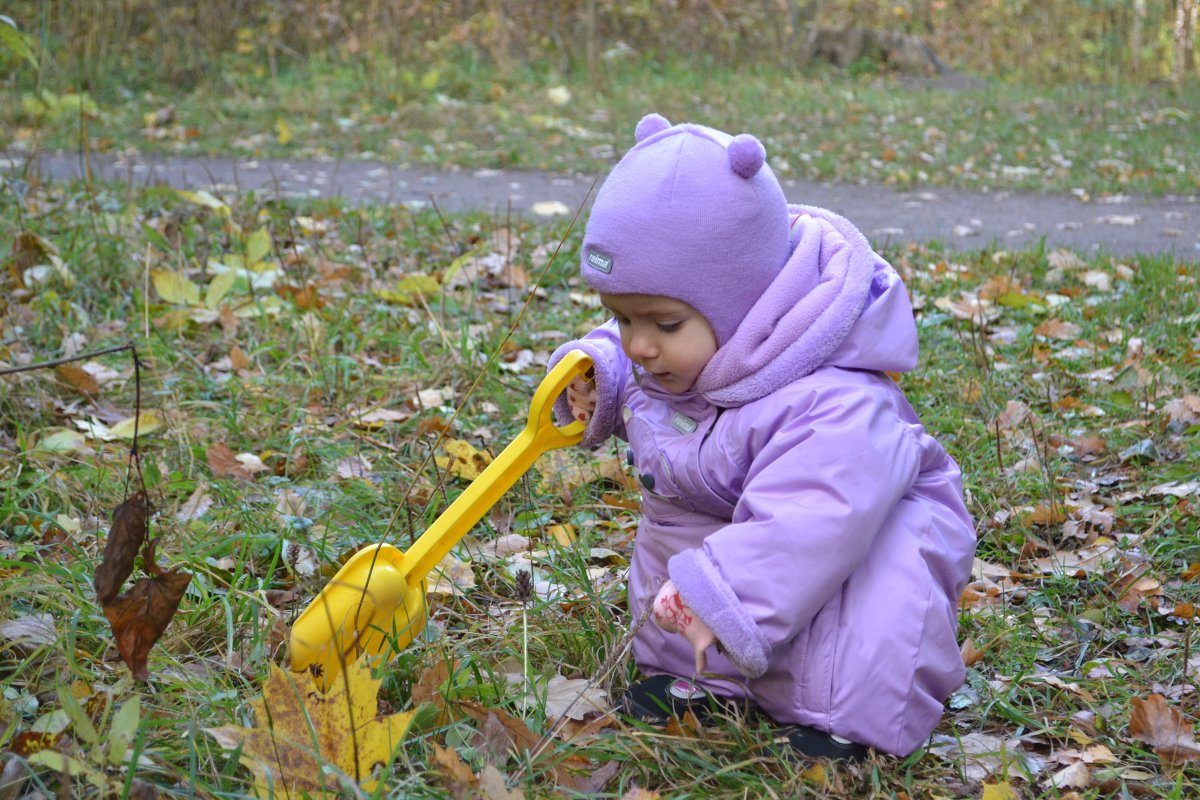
{"x": 139, "y": 617}
{"x": 455, "y": 775}
{"x": 238, "y": 358}
{"x": 494, "y": 741}
{"x": 492, "y": 786}
{"x": 125, "y": 538}
{"x": 428, "y": 689}
{"x": 1163, "y": 728}
{"x": 1058, "y": 329}
{"x": 224, "y": 463}
{"x": 79, "y": 378}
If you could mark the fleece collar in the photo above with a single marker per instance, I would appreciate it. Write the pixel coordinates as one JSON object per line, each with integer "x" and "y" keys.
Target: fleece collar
{"x": 802, "y": 317}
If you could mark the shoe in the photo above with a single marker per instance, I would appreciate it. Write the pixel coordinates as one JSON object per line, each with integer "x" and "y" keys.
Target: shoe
{"x": 812, "y": 743}
{"x": 656, "y": 700}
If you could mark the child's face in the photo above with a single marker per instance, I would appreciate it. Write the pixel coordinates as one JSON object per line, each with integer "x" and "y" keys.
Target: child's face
{"x": 666, "y": 337}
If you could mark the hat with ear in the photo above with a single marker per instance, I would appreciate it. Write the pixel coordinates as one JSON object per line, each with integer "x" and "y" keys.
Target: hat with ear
{"x": 690, "y": 213}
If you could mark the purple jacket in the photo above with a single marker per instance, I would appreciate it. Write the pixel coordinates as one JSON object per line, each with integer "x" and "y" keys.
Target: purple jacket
{"x": 798, "y": 504}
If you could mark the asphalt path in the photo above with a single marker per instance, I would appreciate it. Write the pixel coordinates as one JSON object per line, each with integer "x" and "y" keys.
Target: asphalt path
{"x": 962, "y": 220}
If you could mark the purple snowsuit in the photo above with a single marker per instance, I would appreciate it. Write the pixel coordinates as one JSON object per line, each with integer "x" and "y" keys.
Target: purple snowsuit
{"x": 797, "y": 502}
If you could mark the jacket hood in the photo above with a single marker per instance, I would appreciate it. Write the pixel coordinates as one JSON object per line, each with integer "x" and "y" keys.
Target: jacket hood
{"x": 836, "y": 302}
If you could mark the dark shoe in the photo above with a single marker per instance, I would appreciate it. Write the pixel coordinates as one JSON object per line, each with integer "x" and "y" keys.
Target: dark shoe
{"x": 656, "y": 700}
{"x": 812, "y": 743}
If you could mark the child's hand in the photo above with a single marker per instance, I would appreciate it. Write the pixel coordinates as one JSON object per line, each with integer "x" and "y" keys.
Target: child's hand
{"x": 675, "y": 616}
{"x": 581, "y": 397}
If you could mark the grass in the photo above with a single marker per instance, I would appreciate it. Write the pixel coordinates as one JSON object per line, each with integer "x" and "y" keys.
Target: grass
{"x": 818, "y": 124}
{"x": 1019, "y": 402}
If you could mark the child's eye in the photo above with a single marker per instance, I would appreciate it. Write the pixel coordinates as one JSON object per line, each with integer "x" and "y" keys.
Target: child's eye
{"x": 669, "y": 327}
{"x": 621, "y": 320}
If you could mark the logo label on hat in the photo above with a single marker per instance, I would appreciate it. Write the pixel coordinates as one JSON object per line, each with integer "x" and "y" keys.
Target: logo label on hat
{"x": 600, "y": 261}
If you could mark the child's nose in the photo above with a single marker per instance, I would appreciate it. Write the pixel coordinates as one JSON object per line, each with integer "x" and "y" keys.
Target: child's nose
{"x": 641, "y": 346}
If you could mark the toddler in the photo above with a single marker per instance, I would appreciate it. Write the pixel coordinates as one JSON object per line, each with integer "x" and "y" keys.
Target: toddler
{"x": 804, "y": 539}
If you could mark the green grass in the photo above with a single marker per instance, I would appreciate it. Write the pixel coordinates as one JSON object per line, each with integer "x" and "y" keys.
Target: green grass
{"x": 817, "y": 124}
{"x": 1044, "y": 636}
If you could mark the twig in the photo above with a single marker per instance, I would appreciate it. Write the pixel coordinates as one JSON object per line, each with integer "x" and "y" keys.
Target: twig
{"x": 59, "y": 362}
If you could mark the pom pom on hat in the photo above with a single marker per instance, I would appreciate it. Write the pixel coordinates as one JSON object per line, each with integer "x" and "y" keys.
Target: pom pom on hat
{"x": 746, "y": 155}
{"x": 691, "y": 213}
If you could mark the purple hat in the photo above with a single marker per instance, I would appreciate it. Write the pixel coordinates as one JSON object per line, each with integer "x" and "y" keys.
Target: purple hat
{"x": 689, "y": 213}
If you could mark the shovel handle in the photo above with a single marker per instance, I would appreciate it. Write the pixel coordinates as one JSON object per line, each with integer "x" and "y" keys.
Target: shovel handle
{"x": 539, "y": 435}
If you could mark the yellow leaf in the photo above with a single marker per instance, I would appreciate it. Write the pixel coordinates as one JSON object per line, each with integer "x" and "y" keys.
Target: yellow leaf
{"x": 283, "y": 132}
{"x": 563, "y": 534}
{"x": 408, "y": 289}
{"x": 218, "y": 288}
{"x": 61, "y": 441}
{"x": 146, "y": 422}
{"x": 1000, "y": 791}
{"x": 300, "y": 729}
{"x": 205, "y": 199}
{"x": 464, "y": 460}
{"x": 175, "y": 288}
{"x": 258, "y": 247}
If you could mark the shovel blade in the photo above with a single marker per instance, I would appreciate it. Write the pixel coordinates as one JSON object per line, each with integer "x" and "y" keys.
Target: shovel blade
{"x": 368, "y": 606}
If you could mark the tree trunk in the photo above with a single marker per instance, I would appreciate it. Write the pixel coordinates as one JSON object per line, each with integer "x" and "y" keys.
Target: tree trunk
{"x": 1185, "y": 24}
{"x": 1135, "y": 43}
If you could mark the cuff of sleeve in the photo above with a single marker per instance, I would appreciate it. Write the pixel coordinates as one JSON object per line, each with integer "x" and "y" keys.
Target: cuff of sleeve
{"x": 703, "y": 589}
{"x": 604, "y": 418}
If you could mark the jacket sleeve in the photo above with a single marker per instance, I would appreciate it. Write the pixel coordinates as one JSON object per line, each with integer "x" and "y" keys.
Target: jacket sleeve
{"x": 822, "y": 480}
{"x": 612, "y": 368}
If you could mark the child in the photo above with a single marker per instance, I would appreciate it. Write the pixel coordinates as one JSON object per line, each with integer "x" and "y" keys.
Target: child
{"x": 796, "y": 514}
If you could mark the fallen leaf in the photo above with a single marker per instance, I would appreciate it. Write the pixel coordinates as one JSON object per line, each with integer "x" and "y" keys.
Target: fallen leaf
{"x": 1058, "y": 329}
{"x": 225, "y": 464}
{"x": 78, "y": 378}
{"x": 550, "y": 208}
{"x": 574, "y": 698}
{"x": 1162, "y": 727}
{"x": 492, "y": 786}
{"x": 1073, "y": 776}
{"x": 145, "y": 423}
{"x": 29, "y": 632}
{"x": 196, "y": 506}
{"x": 452, "y": 577}
{"x": 300, "y": 728}
{"x": 238, "y": 358}
{"x": 464, "y": 460}
{"x": 455, "y": 775}
{"x": 999, "y": 791}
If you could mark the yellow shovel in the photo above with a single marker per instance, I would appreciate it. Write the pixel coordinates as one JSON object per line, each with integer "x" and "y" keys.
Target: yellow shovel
{"x": 376, "y": 602}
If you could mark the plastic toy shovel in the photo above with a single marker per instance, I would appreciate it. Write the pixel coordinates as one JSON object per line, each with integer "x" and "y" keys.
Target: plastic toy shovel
{"x": 376, "y": 602}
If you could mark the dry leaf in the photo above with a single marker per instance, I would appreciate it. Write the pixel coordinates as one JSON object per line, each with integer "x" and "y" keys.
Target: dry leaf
{"x": 1058, "y": 329}
{"x": 79, "y": 378}
{"x": 238, "y": 358}
{"x": 493, "y": 787}
{"x": 125, "y": 537}
{"x": 1073, "y": 776}
{"x": 1163, "y": 728}
{"x": 455, "y": 775}
{"x": 464, "y": 460}
{"x": 139, "y": 617}
{"x": 225, "y": 464}
{"x": 999, "y": 791}
{"x": 300, "y": 729}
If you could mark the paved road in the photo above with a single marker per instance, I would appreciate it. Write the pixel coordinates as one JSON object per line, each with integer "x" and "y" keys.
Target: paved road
{"x": 963, "y": 220}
